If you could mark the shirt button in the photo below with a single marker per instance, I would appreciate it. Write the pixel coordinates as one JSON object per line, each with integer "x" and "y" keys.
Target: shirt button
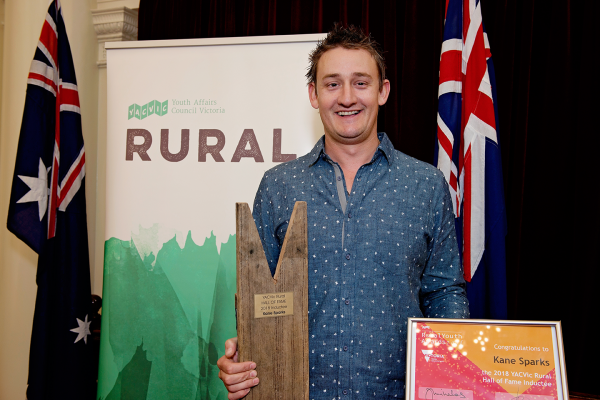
{"x": 348, "y": 256}
{"x": 349, "y": 215}
{"x": 345, "y": 391}
{"x": 347, "y": 302}
{"x": 339, "y": 178}
{"x": 345, "y": 348}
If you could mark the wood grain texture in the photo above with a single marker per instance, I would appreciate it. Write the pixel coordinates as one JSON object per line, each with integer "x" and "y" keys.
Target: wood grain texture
{"x": 278, "y": 345}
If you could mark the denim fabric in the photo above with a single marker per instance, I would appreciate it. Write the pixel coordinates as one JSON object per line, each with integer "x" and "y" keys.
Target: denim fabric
{"x": 399, "y": 259}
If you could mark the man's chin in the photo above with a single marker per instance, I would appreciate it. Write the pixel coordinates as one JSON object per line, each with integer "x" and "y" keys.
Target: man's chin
{"x": 355, "y": 135}
{"x": 350, "y": 138}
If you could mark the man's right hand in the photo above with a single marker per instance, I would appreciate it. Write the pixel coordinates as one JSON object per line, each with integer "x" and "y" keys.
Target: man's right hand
{"x": 238, "y": 377}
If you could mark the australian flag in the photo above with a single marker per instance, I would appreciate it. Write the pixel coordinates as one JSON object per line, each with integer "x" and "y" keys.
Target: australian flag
{"x": 468, "y": 153}
{"x": 47, "y": 212}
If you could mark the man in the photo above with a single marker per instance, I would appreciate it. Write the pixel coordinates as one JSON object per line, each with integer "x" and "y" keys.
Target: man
{"x": 382, "y": 245}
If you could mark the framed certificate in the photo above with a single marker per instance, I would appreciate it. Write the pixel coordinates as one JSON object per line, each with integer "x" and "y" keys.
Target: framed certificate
{"x": 485, "y": 359}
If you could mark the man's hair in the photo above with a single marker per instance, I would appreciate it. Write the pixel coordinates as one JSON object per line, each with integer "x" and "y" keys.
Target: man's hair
{"x": 350, "y": 37}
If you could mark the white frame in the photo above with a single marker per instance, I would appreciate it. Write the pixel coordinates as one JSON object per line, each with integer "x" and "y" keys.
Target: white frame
{"x": 557, "y": 341}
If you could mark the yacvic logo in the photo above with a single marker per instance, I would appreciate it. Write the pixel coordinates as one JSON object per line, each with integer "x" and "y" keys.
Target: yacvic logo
{"x": 431, "y": 356}
{"x": 154, "y": 107}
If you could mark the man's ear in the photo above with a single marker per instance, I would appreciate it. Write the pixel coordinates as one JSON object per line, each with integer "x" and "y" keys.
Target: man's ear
{"x": 384, "y": 92}
{"x": 312, "y": 95}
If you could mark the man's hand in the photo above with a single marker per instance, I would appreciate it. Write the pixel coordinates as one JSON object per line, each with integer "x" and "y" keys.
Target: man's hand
{"x": 237, "y": 377}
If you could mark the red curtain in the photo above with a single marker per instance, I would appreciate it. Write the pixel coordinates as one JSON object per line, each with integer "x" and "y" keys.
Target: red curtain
{"x": 545, "y": 71}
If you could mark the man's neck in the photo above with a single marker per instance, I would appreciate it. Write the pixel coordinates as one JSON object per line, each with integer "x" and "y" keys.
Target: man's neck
{"x": 351, "y": 157}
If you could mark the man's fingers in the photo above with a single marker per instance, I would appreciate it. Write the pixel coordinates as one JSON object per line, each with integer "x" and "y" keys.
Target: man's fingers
{"x": 247, "y": 384}
{"x": 230, "y": 347}
{"x": 237, "y": 377}
{"x": 238, "y": 395}
{"x": 232, "y": 373}
{"x": 242, "y": 387}
{"x": 238, "y": 385}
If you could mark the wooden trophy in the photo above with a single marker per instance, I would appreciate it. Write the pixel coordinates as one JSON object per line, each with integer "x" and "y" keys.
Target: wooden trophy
{"x": 272, "y": 312}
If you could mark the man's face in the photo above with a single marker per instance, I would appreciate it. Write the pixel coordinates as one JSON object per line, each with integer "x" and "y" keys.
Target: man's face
{"x": 347, "y": 94}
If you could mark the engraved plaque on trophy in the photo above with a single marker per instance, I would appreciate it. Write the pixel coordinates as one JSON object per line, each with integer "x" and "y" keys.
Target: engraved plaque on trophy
{"x": 272, "y": 312}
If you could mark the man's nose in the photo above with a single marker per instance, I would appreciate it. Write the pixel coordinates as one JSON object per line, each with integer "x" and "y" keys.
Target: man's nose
{"x": 347, "y": 96}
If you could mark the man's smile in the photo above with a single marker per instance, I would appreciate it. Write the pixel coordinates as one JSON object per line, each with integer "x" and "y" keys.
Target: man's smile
{"x": 346, "y": 113}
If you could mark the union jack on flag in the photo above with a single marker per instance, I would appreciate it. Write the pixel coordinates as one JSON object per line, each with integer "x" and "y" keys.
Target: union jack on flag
{"x": 468, "y": 154}
{"x": 47, "y": 211}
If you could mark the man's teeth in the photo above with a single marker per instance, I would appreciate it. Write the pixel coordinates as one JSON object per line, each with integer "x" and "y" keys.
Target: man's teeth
{"x": 343, "y": 113}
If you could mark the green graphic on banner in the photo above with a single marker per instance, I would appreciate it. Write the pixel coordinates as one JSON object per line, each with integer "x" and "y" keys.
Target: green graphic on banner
{"x": 153, "y": 107}
{"x": 165, "y": 318}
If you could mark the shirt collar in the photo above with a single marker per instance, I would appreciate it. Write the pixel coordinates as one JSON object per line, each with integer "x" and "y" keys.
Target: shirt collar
{"x": 385, "y": 147}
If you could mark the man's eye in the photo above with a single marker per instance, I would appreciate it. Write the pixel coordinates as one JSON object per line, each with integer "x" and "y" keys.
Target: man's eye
{"x": 333, "y": 85}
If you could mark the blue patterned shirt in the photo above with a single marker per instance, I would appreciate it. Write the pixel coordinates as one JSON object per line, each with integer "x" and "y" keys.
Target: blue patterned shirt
{"x": 383, "y": 253}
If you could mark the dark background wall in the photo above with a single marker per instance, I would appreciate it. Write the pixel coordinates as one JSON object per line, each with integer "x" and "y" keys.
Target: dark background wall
{"x": 545, "y": 55}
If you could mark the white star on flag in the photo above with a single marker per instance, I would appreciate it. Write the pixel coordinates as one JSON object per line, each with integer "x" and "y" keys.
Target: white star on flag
{"x": 38, "y": 189}
{"x": 83, "y": 330}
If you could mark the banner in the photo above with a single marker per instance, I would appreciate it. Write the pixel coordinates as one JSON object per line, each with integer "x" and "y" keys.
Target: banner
{"x": 192, "y": 127}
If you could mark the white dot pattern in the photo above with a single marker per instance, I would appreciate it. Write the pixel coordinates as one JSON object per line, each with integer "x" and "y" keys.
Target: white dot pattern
{"x": 399, "y": 259}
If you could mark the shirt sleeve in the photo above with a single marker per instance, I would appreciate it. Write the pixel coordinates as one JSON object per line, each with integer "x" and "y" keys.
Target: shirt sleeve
{"x": 263, "y": 214}
{"x": 442, "y": 284}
